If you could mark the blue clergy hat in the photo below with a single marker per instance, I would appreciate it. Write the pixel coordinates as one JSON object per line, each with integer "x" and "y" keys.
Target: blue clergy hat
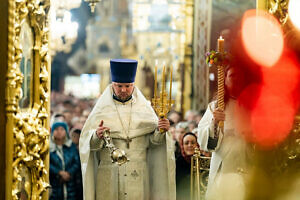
{"x": 123, "y": 70}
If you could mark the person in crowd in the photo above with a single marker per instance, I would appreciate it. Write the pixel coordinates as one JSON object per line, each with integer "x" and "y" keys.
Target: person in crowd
{"x": 199, "y": 116}
{"x": 192, "y": 125}
{"x": 174, "y": 116}
{"x": 64, "y": 164}
{"x": 75, "y": 135}
{"x": 57, "y": 117}
{"x": 189, "y": 115}
{"x": 68, "y": 117}
{"x": 181, "y": 129}
{"x": 134, "y": 127}
{"x": 188, "y": 144}
{"x": 230, "y": 157}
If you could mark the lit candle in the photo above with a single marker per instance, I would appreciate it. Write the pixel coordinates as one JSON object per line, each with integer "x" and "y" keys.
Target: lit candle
{"x": 221, "y": 44}
{"x": 155, "y": 82}
{"x": 163, "y": 85}
{"x": 170, "y": 93}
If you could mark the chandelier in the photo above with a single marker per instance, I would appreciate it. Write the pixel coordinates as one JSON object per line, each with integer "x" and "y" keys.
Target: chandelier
{"x": 62, "y": 30}
{"x": 92, "y": 4}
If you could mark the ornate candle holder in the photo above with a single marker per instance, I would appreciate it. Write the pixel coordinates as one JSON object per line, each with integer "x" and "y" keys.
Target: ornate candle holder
{"x": 162, "y": 104}
{"x": 220, "y": 59}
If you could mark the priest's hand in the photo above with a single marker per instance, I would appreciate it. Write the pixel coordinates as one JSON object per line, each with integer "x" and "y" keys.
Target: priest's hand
{"x": 101, "y": 129}
{"x": 218, "y": 115}
{"x": 163, "y": 124}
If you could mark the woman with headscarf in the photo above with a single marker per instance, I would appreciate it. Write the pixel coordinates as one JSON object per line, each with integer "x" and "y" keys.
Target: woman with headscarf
{"x": 64, "y": 163}
{"x": 188, "y": 143}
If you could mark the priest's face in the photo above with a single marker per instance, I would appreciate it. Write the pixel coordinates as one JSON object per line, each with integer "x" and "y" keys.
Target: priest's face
{"x": 123, "y": 90}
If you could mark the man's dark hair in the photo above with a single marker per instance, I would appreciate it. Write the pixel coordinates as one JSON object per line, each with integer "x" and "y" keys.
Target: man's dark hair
{"x": 59, "y": 115}
{"x": 77, "y": 131}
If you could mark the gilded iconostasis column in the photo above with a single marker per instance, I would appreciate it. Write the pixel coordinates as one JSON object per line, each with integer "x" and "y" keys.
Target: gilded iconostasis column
{"x": 3, "y": 63}
{"x": 27, "y": 99}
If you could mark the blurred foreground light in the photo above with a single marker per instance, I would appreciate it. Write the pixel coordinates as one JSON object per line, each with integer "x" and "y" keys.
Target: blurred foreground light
{"x": 294, "y": 12}
{"x": 262, "y": 37}
{"x": 283, "y": 78}
{"x": 268, "y": 108}
{"x": 272, "y": 118}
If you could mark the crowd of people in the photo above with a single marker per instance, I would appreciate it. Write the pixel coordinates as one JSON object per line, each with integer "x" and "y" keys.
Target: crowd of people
{"x": 68, "y": 115}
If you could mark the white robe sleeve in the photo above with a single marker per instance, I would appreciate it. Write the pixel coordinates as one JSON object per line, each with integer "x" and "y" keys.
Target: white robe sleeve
{"x": 96, "y": 143}
{"x": 157, "y": 138}
{"x": 206, "y": 132}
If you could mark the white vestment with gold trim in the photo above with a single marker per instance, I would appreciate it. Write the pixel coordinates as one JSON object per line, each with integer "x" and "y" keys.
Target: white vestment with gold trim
{"x": 150, "y": 173}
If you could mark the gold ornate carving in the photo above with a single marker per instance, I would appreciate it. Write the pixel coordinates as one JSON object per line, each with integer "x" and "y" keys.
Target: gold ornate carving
{"x": 200, "y": 166}
{"x": 279, "y": 8}
{"x": 29, "y": 128}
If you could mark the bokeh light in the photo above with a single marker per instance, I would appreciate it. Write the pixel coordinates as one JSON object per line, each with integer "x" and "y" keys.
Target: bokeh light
{"x": 272, "y": 118}
{"x": 267, "y": 109}
{"x": 262, "y": 37}
{"x": 294, "y": 14}
{"x": 284, "y": 77}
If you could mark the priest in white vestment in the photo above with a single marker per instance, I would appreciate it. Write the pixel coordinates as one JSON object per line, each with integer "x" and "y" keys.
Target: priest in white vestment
{"x": 230, "y": 152}
{"x": 134, "y": 127}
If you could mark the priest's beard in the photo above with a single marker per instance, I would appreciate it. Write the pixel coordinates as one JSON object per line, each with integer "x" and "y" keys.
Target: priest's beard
{"x": 122, "y": 98}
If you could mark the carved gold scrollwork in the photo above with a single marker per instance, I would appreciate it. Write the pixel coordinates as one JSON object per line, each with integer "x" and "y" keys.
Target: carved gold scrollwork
{"x": 29, "y": 127}
{"x": 279, "y": 8}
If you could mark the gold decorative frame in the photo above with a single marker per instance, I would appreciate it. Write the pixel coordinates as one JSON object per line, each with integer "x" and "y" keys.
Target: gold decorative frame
{"x": 27, "y": 131}
{"x": 279, "y": 8}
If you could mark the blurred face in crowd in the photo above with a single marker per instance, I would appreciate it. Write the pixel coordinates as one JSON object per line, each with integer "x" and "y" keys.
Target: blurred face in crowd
{"x": 175, "y": 117}
{"x": 198, "y": 118}
{"x": 179, "y": 132}
{"x": 123, "y": 90}
{"x": 190, "y": 116}
{"x": 75, "y": 138}
{"x": 59, "y": 133}
{"x": 77, "y": 111}
{"x": 82, "y": 120}
{"x": 172, "y": 130}
{"x": 234, "y": 81}
{"x": 192, "y": 126}
{"x": 189, "y": 144}
{"x": 85, "y": 113}
{"x": 68, "y": 117}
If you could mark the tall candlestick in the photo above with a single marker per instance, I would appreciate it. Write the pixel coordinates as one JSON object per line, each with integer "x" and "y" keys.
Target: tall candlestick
{"x": 221, "y": 45}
